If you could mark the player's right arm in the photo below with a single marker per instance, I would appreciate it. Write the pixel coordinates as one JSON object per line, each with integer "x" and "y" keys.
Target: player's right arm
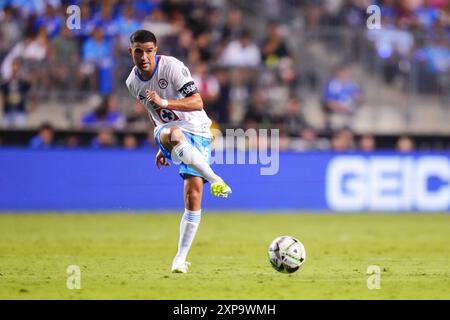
{"x": 193, "y": 102}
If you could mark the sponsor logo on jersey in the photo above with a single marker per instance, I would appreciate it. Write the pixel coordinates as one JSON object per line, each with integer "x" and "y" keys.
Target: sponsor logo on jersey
{"x": 167, "y": 115}
{"x": 162, "y": 83}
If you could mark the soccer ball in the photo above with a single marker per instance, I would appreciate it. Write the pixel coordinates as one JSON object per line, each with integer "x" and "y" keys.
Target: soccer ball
{"x": 286, "y": 254}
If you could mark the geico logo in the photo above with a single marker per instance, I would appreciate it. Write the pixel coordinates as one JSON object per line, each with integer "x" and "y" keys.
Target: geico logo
{"x": 388, "y": 183}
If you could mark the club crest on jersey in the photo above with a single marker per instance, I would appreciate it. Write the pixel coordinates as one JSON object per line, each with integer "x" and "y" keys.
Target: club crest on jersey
{"x": 162, "y": 83}
{"x": 167, "y": 115}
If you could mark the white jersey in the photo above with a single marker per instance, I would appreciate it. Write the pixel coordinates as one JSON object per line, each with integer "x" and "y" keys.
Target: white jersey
{"x": 171, "y": 79}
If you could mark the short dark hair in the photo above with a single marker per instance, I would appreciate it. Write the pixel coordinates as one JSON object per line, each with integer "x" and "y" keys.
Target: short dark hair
{"x": 246, "y": 33}
{"x": 46, "y": 126}
{"x": 142, "y": 36}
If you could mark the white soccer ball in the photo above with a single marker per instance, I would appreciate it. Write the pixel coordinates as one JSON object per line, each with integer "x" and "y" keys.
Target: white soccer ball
{"x": 286, "y": 254}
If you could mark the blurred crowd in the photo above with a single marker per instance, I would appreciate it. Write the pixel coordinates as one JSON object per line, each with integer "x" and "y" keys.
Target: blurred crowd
{"x": 343, "y": 140}
{"x": 248, "y": 79}
{"x": 413, "y": 44}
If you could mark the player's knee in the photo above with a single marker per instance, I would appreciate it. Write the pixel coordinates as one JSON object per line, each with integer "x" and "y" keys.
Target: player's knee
{"x": 175, "y": 136}
{"x": 170, "y": 137}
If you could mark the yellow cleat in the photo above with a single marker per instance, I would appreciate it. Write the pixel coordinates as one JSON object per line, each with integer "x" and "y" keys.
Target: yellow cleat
{"x": 220, "y": 189}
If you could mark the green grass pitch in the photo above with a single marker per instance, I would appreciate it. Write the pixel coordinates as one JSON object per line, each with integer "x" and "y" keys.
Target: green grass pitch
{"x": 128, "y": 256}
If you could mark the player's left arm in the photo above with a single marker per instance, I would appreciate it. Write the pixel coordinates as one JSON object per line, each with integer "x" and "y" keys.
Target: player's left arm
{"x": 193, "y": 102}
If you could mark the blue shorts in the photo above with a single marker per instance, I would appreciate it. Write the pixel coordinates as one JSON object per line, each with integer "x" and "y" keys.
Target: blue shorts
{"x": 201, "y": 143}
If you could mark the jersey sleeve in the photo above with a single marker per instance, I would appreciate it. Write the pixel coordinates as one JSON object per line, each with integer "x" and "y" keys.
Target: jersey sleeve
{"x": 181, "y": 79}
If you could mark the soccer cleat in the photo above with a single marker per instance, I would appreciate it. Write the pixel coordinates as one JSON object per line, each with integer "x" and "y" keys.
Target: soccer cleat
{"x": 220, "y": 189}
{"x": 180, "y": 266}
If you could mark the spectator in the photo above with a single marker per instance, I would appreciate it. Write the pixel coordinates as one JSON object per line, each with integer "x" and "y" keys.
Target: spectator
{"x": 182, "y": 46}
{"x": 32, "y": 50}
{"x": 427, "y": 15}
{"x": 105, "y": 139}
{"x": 342, "y": 140}
{"x": 207, "y": 83}
{"x": 87, "y": 21}
{"x": 367, "y": 143}
{"x": 405, "y": 13}
{"x": 37, "y": 62}
{"x": 44, "y": 139}
{"x": 72, "y": 141}
{"x": 257, "y": 110}
{"x": 239, "y": 95}
{"x": 278, "y": 92}
{"x": 203, "y": 41}
{"x": 435, "y": 62}
{"x": 126, "y": 24}
{"x": 51, "y": 21}
{"x": 221, "y": 106}
{"x": 14, "y": 94}
{"x": 233, "y": 25}
{"x": 29, "y": 8}
{"x": 274, "y": 46}
{"x": 97, "y": 60}
{"x": 287, "y": 73}
{"x": 104, "y": 20}
{"x": 341, "y": 99}
{"x": 294, "y": 120}
{"x": 215, "y": 26}
{"x": 10, "y": 30}
{"x": 143, "y": 8}
{"x": 130, "y": 142}
{"x": 284, "y": 141}
{"x": 138, "y": 117}
{"x": 243, "y": 53}
{"x": 389, "y": 9}
{"x": 394, "y": 38}
{"x": 64, "y": 58}
{"x": 309, "y": 141}
{"x": 405, "y": 144}
{"x": 353, "y": 13}
{"x": 106, "y": 115}
{"x": 158, "y": 23}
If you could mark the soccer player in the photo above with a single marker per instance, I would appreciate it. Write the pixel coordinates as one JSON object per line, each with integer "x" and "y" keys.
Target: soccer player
{"x": 182, "y": 129}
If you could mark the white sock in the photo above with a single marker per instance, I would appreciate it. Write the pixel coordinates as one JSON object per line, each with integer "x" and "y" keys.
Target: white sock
{"x": 188, "y": 229}
{"x": 194, "y": 159}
